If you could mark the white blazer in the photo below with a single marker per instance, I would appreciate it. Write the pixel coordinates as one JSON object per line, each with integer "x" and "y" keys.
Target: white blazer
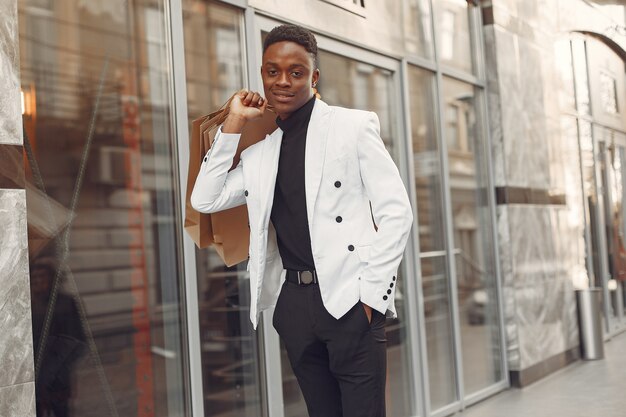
{"x": 346, "y": 168}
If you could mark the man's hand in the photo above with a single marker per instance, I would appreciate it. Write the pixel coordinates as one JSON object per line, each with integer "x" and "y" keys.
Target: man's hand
{"x": 245, "y": 105}
{"x": 368, "y": 312}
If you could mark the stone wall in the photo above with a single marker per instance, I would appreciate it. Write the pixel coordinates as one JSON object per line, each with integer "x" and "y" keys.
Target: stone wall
{"x": 537, "y": 177}
{"x": 17, "y": 386}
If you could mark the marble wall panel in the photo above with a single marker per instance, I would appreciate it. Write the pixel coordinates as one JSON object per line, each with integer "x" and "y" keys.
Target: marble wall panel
{"x": 10, "y": 101}
{"x": 542, "y": 263}
{"x": 17, "y": 400}
{"x": 530, "y": 19}
{"x": 16, "y": 343}
{"x": 513, "y": 142}
{"x": 523, "y": 120}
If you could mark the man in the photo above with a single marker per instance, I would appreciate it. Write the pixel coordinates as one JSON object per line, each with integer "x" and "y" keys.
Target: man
{"x": 313, "y": 239}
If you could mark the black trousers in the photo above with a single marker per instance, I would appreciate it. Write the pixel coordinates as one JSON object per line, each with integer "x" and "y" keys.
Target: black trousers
{"x": 340, "y": 364}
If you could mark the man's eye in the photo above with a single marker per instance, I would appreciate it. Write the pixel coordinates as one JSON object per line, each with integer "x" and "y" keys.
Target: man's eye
{"x": 271, "y": 72}
{"x": 297, "y": 73}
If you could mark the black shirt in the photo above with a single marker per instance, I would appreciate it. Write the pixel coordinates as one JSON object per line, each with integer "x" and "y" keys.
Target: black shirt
{"x": 289, "y": 214}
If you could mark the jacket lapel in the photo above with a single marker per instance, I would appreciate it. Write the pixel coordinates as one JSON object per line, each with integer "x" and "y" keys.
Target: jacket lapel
{"x": 268, "y": 168}
{"x": 317, "y": 135}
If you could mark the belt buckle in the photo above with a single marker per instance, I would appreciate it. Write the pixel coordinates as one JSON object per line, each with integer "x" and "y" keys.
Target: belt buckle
{"x": 306, "y": 277}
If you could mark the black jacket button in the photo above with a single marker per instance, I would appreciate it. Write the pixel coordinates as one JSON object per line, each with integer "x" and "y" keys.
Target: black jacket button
{"x": 350, "y": 248}
{"x": 337, "y": 184}
{"x": 385, "y": 297}
{"x": 339, "y": 219}
{"x": 394, "y": 278}
{"x": 245, "y": 193}
{"x": 205, "y": 159}
{"x": 391, "y": 285}
{"x": 388, "y": 291}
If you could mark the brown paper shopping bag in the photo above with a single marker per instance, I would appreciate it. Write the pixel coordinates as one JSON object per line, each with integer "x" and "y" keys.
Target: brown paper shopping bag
{"x": 227, "y": 231}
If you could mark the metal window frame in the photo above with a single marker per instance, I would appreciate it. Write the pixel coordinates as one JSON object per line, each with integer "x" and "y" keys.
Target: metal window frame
{"x": 188, "y": 261}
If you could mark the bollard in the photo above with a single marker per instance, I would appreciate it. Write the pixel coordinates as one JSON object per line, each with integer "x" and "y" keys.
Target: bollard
{"x": 590, "y": 323}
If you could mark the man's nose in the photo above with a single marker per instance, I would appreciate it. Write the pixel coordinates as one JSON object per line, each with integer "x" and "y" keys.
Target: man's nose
{"x": 283, "y": 80}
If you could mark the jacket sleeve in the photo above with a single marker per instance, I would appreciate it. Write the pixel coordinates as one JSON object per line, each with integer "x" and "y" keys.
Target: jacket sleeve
{"x": 392, "y": 214}
{"x": 216, "y": 189}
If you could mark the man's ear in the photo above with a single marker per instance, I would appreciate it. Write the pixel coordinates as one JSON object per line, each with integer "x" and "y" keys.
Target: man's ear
{"x": 316, "y": 76}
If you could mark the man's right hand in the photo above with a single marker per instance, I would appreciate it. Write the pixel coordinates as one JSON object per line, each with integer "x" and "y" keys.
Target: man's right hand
{"x": 245, "y": 105}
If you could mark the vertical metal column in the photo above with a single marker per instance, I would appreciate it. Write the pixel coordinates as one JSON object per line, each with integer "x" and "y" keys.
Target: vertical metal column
{"x": 415, "y": 319}
{"x": 448, "y": 228}
{"x": 187, "y": 253}
{"x": 484, "y": 131}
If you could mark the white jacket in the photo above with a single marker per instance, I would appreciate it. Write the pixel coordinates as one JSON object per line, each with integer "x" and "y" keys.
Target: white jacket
{"x": 346, "y": 168}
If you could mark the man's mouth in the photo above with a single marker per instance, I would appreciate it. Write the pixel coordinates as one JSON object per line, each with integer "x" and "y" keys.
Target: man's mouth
{"x": 283, "y": 96}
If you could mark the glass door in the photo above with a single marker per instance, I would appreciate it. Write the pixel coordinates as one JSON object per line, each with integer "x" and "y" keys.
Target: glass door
{"x": 355, "y": 78}
{"x": 611, "y": 178}
{"x": 229, "y": 347}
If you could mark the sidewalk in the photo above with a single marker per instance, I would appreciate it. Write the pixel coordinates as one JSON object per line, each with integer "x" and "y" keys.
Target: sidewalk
{"x": 583, "y": 389}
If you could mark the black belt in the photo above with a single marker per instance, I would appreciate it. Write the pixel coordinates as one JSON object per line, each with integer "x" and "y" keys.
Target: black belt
{"x": 302, "y": 277}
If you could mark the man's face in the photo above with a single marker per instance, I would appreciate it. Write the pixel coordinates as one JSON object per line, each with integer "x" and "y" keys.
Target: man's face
{"x": 288, "y": 73}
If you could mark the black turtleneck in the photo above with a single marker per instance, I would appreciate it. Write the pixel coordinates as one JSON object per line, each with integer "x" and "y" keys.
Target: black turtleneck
{"x": 289, "y": 214}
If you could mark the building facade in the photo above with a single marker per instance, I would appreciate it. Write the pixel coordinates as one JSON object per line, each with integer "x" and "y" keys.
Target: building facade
{"x": 506, "y": 118}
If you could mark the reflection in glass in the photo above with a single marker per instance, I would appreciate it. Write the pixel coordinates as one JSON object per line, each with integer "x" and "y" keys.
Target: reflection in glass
{"x": 435, "y": 283}
{"x": 453, "y": 33}
{"x": 103, "y": 236}
{"x": 621, "y": 303}
{"x": 473, "y": 240}
{"x": 613, "y": 195}
{"x": 349, "y": 83}
{"x": 418, "y": 34}
{"x": 229, "y": 346}
{"x": 591, "y": 200}
{"x": 439, "y": 331}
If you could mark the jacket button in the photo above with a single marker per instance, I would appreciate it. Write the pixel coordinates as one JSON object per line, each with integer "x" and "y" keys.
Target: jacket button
{"x": 391, "y": 285}
{"x": 388, "y": 291}
{"x": 339, "y": 219}
{"x": 350, "y": 248}
{"x": 385, "y": 297}
{"x": 337, "y": 184}
{"x": 245, "y": 193}
{"x": 205, "y": 159}
{"x": 394, "y": 278}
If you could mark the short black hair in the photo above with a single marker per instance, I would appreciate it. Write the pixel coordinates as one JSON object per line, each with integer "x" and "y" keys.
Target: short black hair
{"x": 293, "y": 33}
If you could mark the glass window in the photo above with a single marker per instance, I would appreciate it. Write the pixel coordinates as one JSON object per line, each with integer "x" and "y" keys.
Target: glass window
{"x": 430, "y": 214}
{"x": 231, "y": 375}
{"x": 453, "y": 33}
{"x": 473, "y": 243}
{"x": 608, "y": 93}
{"x": 590, "y": 196}
{"x": 103, "y": 231}
{"x": 418, "y": 34}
